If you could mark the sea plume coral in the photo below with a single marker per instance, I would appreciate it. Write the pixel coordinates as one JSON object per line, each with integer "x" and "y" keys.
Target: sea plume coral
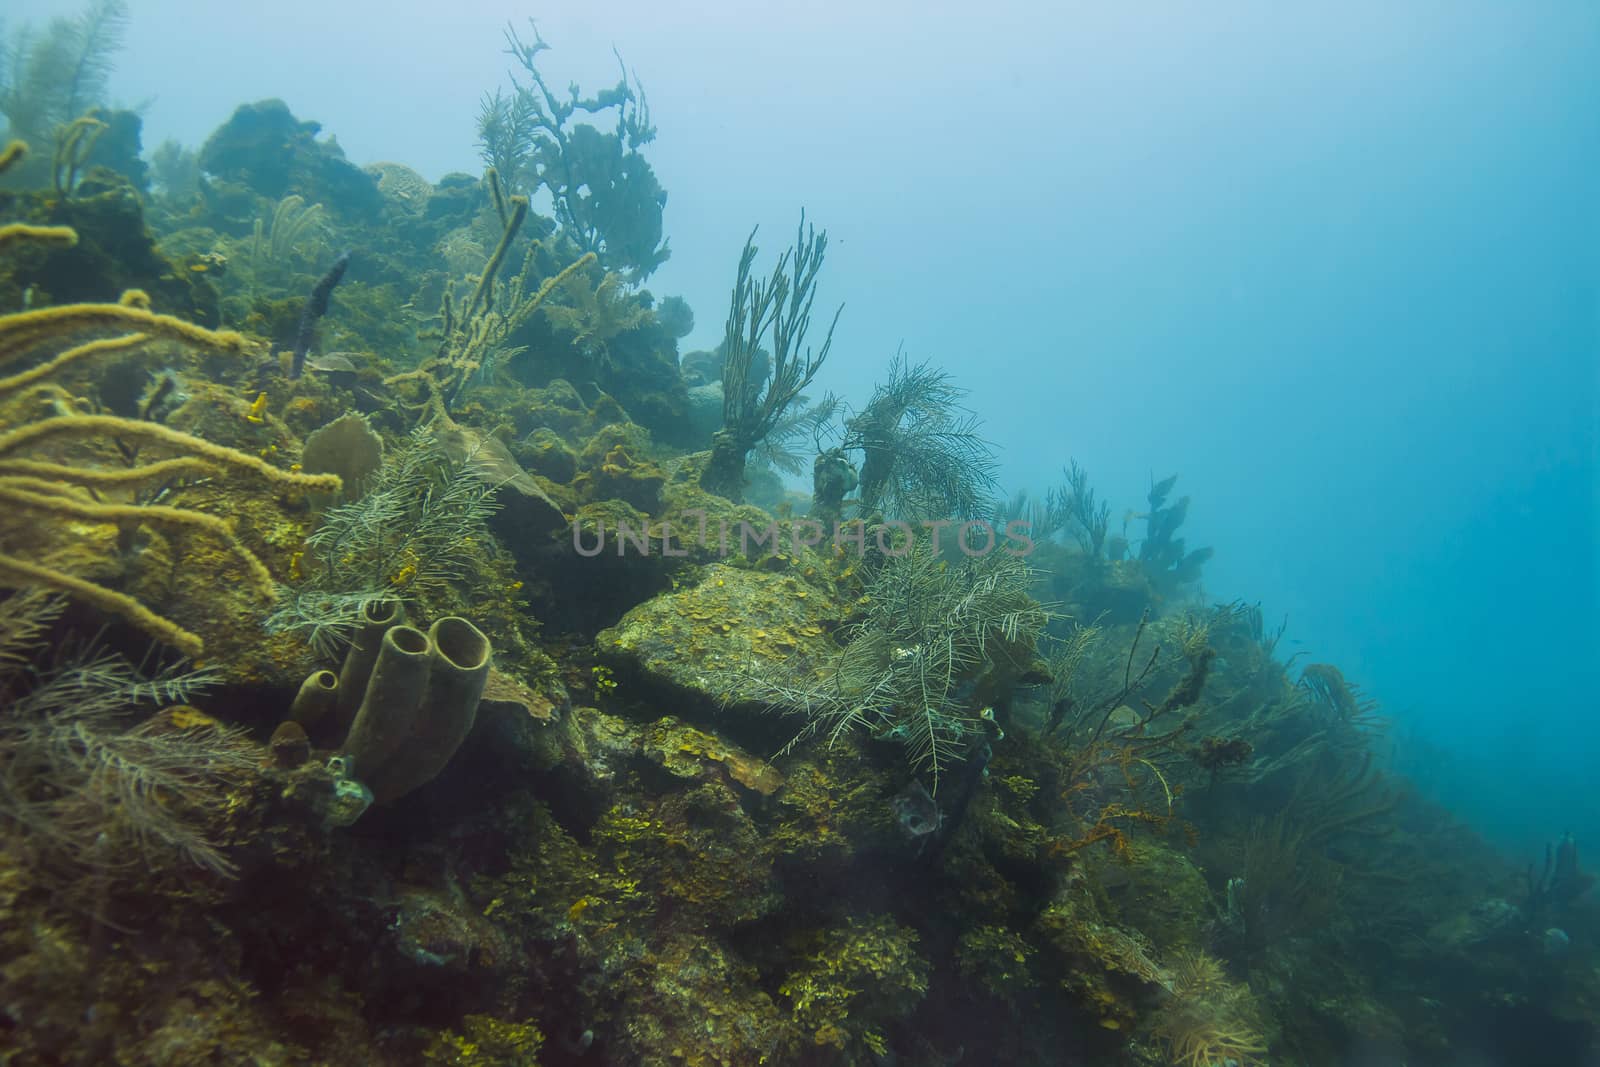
{"x": 406, "y": 536}
{"x": 910, "y": 670}
{"x": 1209, "y": 1019}
{"x": 85, "y": 789}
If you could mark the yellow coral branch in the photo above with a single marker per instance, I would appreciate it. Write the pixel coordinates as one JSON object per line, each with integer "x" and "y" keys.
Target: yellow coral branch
{"x": 42, "y": 496}
{"x": 64, "y": 236}
{"x": 70, "y": 356}
{"x": 48, "y": 488}
{"x": 484, "y": 294}
{"x": 23, "y": 573}
{"x": 101, "y": 478}
{"x": 550, "y": 283}
{"x": 81, "y": 426}
{"x": 21, "y": 331}
{"x": 11, "y": 155}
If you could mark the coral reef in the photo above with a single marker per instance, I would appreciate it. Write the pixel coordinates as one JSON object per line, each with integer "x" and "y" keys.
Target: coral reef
{"x": 422, "y": 689}
{"x": 46, "y": 465}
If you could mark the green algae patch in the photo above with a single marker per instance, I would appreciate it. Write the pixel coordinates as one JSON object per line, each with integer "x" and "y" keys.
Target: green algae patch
{"x": 484, "y": 1041}
{"x": 686, "y": 752}
{"x": 709, "y": 636}
{"x": 858, "y": 980}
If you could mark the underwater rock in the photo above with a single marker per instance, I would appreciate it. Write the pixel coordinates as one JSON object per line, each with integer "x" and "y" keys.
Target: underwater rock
{"x": 455, "y": 200}
{"x": 114, "y": 252}
{"x": 699, "y": 1003}
{"x": 675, "y": 316}
{"x": 1555, "y": 942}
{"x": 701, "y": 367}
{"x": 1488, "y": 920}
{"x": 1109, "y": 969}
{"x": 442, "y": 930}
{"x": 289, "y": 745}
{"x": 615, "y": 466}
{"x": 556, "y": 407}
{"x": 120, "y": 146}
{"x": 544, "y": 453}
{"x": 1154, "y": 890}
{"x": 265, "y": 148}
{"x": 485, "y": 1041}
{"x": 527, "y": 513}
{"x": 503, "y": 691}
{"x": 403, "y": 189}
{"x": 1117, "y": 592}
{"x": 705, "y": 410}
{"x": 691, "y": 754}
{"x": 707, "y": 637}
{"x": 858, "y": 980}
{"x": 561, "y": 408}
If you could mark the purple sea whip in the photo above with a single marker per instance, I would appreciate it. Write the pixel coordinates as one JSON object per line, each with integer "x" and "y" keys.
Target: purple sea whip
{"x": 315, "y": 308}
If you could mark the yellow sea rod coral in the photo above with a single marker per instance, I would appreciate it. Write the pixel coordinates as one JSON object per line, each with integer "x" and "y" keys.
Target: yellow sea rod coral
{"x": 69, "y": 489}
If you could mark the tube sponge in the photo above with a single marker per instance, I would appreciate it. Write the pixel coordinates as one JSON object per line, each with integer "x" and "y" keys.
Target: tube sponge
{"x": 376, "y": 618}
{"x": 458, "y": 670}
{"x": 419, "y": 698}
{"x": 388, "y": 711}
{"x": 317, "y": 700}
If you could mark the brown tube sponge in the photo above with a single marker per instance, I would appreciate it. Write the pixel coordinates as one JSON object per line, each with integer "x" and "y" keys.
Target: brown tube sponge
{"x": 387, "y": 717}
{"x": 317, "y": 700}
{"x": 376, "y": 617}
{"x": 458, "y": 669}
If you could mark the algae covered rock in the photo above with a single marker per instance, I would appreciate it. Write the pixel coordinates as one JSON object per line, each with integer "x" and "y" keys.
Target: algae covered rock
{"x": 544, "y": 453}
{"x": 707, "y": 636}
{"x": 615, "y": 467}
{"x": 526, "y": 510}
{"x": 265, "y": 148}
{"x": 1154, "y": 890}
{"x": 114, "y": 252}
{"x": 860, "y": 978}
{"x": 403, "y": 189}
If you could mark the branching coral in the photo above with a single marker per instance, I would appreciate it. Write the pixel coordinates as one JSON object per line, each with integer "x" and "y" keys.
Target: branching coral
{"x": 65, "y": 487}
{"x": 1209, "y": 1019}
{"x": 74, "y": 144}
{"x": 1073, "y": 506}
{"x": 472, "y": 337}
{"x": 777, "y": 310}
{"x": 1112, "y": 759}
{"x": 294, "y": 229}
{"x": 1163, "y": 554}
{"x": 1343, "y": 700}
{"x": 606, "y": 196}
{"x": 1288, "y": 880}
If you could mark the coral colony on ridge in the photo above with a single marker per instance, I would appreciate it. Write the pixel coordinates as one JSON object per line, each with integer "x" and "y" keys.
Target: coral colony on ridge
{"x": 410, "y": 656}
